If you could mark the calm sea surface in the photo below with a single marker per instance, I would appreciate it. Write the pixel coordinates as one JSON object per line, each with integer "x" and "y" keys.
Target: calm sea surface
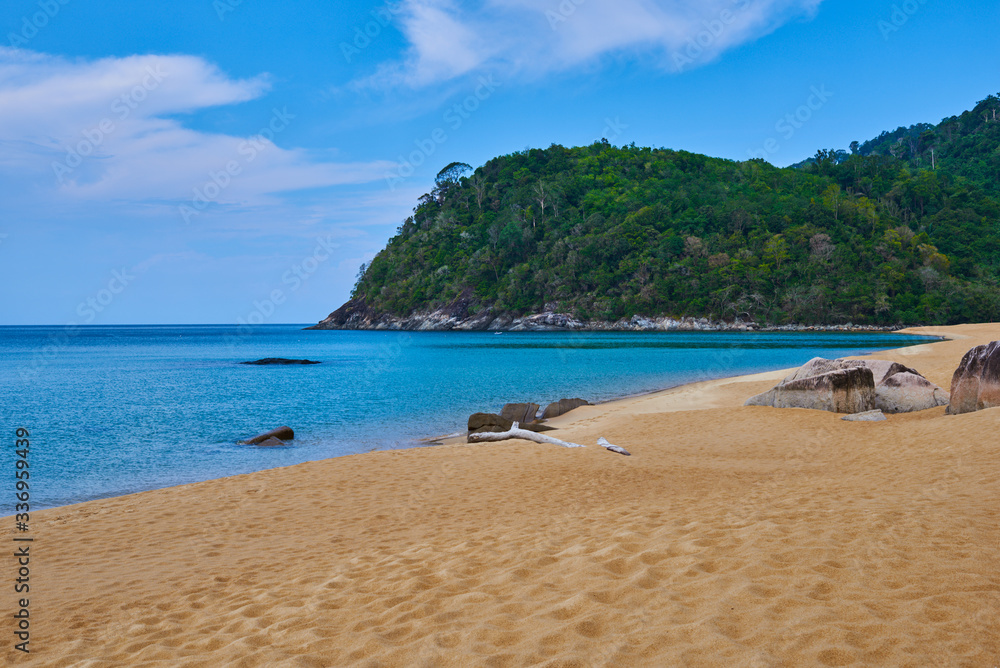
{"x": 114, "y": 410}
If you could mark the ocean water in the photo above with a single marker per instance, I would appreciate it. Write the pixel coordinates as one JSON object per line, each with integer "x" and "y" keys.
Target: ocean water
{"x": 115, "y": 410}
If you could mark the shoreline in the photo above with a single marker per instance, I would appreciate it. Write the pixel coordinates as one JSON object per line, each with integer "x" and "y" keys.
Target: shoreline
{"x": 461, "y": 316}
{"x": 445, "y": 321}
{"x": 733, "y": 535}
{"x": 459, "y": 437}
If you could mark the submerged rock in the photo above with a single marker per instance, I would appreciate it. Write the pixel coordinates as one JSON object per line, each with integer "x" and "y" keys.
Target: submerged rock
{"x": 976, "y": 382}
{"x": 563, "y": 406}
{"x": 279, "y": 434}
{"x": 270, "y": 442}
{"x": 850, "y": 390}
{"x": 279, "y": 360}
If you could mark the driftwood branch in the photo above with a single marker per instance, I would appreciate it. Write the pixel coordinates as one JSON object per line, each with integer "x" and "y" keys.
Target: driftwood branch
{"x": 603, "y": 442}
{"x": 516, "y": 432}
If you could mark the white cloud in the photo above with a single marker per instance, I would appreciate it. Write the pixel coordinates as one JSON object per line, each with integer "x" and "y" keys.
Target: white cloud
{"x": 108, "y": 130}
{"x": 531, "y": 38}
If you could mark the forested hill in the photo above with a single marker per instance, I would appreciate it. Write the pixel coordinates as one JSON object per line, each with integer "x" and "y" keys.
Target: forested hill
{"x": 885, "y": 234}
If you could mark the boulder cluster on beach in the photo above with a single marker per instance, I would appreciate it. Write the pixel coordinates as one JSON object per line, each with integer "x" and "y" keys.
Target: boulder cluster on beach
{"x": 526, "y": 415}
{"x": 863, "y": 388}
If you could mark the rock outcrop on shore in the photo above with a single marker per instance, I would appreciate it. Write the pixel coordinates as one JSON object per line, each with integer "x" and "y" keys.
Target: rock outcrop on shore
{"x": 881, "y": 369}
{"x": 464, "y": 314}
{"x": 976, "y": 383}
{"x": 524, "y": 414}
{"x": 908, "y": 392}
{"x": 521, "y": 413}
{"x": 894, "y": 388}
{"x": 490, "y": 422}
{"x": 459, "y": 316}
{"x": 848, "y": 390}
{"x": 563, "y": 406}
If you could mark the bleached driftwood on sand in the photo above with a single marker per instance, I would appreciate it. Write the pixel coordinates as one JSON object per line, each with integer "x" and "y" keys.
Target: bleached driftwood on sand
{"x": 603, "y": 442}
{"x": 516, "y": 432}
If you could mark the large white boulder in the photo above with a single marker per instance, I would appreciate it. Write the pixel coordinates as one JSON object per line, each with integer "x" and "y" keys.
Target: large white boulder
{"x": 908, "y": 392}
{"x": 896, "y": 388}
{"x": 850, "y": 390}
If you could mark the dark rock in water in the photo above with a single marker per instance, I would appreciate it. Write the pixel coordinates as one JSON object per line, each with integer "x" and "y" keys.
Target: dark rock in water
{"x": 483, "y": 422}
{"x": 520, "y": 413}
{"x": 280, "y": 434}
{"x": 563, "y": 406}
{"x": 850, "y": 390}
{"x": 270, "y": 442}
{"x": 976, "y": 382}
{"x": 279, "y": 360}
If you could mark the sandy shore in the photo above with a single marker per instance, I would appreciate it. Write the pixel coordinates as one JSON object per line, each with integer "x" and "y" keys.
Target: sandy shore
{"x": 734, "y": 536}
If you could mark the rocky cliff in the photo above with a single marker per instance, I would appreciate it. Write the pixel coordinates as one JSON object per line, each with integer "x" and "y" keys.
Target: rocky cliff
{"x": 461, "y": 315}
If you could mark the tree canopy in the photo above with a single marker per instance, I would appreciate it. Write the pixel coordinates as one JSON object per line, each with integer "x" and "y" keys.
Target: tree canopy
{"x": 903, "y": 229}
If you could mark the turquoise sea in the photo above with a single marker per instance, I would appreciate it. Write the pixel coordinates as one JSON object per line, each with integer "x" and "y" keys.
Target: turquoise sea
{"x": 120, "y": 409}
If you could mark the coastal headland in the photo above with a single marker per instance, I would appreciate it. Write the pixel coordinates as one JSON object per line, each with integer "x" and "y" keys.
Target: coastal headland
{"x": 733, "y": 535}
{"x": 355, "y": 314}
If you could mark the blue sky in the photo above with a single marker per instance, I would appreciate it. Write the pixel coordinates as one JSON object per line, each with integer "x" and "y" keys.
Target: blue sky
{"x": 236, "y": 160}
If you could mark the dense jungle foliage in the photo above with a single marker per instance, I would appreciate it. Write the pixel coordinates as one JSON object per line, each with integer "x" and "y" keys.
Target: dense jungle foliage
{"x": 903, "y": 229}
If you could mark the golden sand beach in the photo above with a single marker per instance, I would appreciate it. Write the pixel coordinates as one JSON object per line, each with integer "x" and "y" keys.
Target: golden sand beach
{"x": 734, "y": 536}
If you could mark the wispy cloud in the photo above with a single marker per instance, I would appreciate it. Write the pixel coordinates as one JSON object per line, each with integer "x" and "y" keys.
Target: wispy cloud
{"x": 114, "y": 130}
{"x": 532, "y": 38}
